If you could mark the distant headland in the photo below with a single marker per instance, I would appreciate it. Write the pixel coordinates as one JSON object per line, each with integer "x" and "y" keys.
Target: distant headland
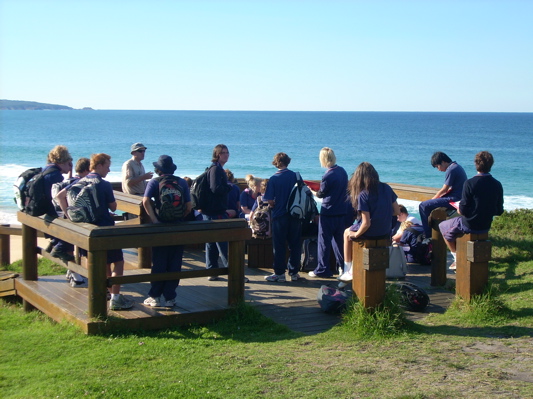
{"x": 34, "y": 106}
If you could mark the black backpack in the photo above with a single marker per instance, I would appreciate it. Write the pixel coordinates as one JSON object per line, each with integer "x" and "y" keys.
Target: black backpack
{"x": 172, "y": 197}
{"x": 413, "y": 297}
{"x": 30, "y": 194}
{"x": 201, "y": 194}
{"x": 261, "y": 221}
{"x": 332, "y": 300}
{"x": 309, "y": 254}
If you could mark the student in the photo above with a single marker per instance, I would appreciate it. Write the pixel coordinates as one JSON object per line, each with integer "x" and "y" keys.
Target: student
{"x": 133, "y": 175}
{"x": 234, "y": 204}
{"x": 165, "y": 259}
{"x": 482, "y": 200}
{"x": 404, "y": 220}
{"x": 285, "y": 229}
{"x": 332, "y": 213}
{"x": 100, "y": 166}
{"x": 249, "y": 195}
{"x": 59, "y": 163}
{"x": 451, "y": 190}
{"x": 218, "y": 185}
{"x": 375, "y": 203}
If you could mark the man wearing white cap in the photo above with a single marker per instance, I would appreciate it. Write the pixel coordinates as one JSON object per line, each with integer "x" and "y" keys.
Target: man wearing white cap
{"x": 133, "y": 175}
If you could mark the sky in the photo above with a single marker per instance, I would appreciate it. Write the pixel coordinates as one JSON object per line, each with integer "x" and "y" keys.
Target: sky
{"x": 464, "y": 55}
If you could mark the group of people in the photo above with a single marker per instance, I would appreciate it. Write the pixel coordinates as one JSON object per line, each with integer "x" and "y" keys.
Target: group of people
{"x": 357, "y": 208}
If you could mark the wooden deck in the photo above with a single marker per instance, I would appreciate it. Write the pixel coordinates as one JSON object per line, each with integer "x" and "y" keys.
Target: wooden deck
{"x": 292, "y": 303}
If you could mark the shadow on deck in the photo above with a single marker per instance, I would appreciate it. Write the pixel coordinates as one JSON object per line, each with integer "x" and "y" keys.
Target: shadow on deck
{"x": 292, "y": 304}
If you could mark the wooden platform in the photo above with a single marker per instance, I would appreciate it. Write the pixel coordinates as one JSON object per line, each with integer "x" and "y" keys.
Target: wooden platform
{"x": 292, "y": 303}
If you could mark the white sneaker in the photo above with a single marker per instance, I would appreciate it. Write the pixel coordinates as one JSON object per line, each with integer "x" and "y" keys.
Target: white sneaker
{"x": 295, "y": 277}
{"x": 154, "y": 302}
{"x": 120, "y": 302}
{"x": 76, "y": 279}
{"x": 312, "y": 275}
{"x": 346, "y": 277}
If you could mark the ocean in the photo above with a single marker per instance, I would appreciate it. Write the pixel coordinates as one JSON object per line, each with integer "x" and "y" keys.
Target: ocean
{"x": 398, "y": 144}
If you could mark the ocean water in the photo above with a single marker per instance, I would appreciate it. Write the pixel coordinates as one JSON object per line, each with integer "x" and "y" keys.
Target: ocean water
{"x": 398, "y": 144}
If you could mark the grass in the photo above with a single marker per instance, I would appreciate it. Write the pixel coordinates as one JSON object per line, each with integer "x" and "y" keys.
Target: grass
{"x": 479, "y": 350}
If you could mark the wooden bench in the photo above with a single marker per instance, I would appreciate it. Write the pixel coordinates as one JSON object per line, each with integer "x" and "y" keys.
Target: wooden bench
{"x": 473, "y": 256}
{"x": 370, "y": 261}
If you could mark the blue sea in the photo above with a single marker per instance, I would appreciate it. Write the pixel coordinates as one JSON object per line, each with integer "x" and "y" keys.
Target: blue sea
{"x": 398, "y": 144}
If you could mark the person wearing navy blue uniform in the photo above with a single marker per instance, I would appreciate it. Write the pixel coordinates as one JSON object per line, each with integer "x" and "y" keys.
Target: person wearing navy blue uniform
{"x": 234, "y": 204}
{"x": 482, "y": 200}
{"x": 285, "y": 229}
{"x": 249, "y": 195}
{"x": 376, "y": 205}
{"x": 165, "y": 259}
{"x": 331, "y": 223}
{"x": 451, "y": 190}
{"x": 218, "y": 185}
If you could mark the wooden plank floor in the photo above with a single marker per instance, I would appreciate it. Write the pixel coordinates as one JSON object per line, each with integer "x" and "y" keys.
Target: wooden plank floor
{"x": 291, "y": 303}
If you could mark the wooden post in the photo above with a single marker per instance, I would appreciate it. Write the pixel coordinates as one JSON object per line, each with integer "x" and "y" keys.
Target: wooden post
{"x": 5, "y": 250}
{"x": 29, "y": 259}
{"x": 473, "y": 255}
{"x": 438, "y": 261}
{"x": 96, "y": 265}
{"x": 370, "y": 261}
{"x": 235, "y": 272}
{"x": 144, "y": 254}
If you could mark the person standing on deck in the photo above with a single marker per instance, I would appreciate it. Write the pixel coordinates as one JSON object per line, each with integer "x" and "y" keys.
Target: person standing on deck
{"x": 133, "y": 175}
{"x": 285, "y": 229}
{"x": 451, "y": 190}
{"x": 332, "y": 213}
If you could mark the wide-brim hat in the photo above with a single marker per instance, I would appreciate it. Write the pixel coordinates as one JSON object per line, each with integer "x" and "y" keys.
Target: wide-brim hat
{"x": 165, "y": 164}
{"x": 137, "y": 147}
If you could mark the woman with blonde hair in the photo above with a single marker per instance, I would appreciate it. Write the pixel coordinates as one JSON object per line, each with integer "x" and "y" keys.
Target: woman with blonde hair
{"x": 375, "y": 203}
{"x": 249, "y": 195}
{"x": 331, "y": 223}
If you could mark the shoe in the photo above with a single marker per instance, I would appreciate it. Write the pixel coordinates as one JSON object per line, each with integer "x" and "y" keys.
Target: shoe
{"x": 312, "y": 275}
{"x": 246, "y": 280}
{"x": 346, "y": 277}
{"x": 276, "y": 278}
{"x": 49, "y": 247}
{"x": 170, "y": 303}
{"x": 343, "y": 284}
{"x": 75, "y": 279}
{"x": 154, "y": 302}
{"x": 295, "y": 277}
{"x": 64, "y": 256}
{"x": 120, "y": 303}
{"x": 213, "y": 278}
{"x": 68, "y": 275}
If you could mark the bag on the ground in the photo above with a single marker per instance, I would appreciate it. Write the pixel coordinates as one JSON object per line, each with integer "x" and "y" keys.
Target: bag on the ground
{"x": 82, "y": 200}
{"x": 332, "y": 300}
{"x": 397, "y": 263}
{"x": 309, "y": 254}
{"x": 30, "y": 195}
{"x": 422, "y": 252}
{"x": 413, "y": 297}
{"x": 301, "y": 204}
{"x": 172, "y": 199}
{"x": 261, "y": 221}
{"x": 201, "y": 194}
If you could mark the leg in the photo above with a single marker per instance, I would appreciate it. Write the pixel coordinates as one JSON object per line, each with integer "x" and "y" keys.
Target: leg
{"x": 295, "y": 247}
{"x": 159, "y": 265}
{"x": 174, "y": 262}
{"x": 337, "y": 241}
{"x": 325, "y": 237}
{"x": 279, "y": 235}
{"x": 347, "y": 246}
{"x": 425, "y": 209}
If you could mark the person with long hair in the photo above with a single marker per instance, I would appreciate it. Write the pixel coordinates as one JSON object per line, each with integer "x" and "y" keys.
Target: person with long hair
{"x": 375, "y": 203}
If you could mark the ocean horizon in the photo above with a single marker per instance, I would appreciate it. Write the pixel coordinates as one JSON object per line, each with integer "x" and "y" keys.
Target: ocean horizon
{"x": 398, "y": 144}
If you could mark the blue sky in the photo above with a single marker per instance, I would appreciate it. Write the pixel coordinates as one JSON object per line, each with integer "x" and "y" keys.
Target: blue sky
{"x": 269, "y": 55}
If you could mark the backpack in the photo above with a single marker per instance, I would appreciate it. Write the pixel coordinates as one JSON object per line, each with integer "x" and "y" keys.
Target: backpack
{"x": 397, "y": 263}
{"x": 261, "y": 221}
{"x": 413, "y": 297}
{"x": 309, "y": 254}
{"x": 30, "y": 195}
{"x": 172, "y": 197}
{"x": 82, "y": 200}
{"x": 421, "y": 252}
{"x": 57, "y": 187}
{"x": 201, "y": 194}
{"x": 332, "y": 300}
{"x": 301, "y": 204}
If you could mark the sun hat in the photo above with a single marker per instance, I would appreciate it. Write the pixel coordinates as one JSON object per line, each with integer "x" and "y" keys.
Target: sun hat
{"x": 137, "y": 146}
{"x": 165, "y": 164}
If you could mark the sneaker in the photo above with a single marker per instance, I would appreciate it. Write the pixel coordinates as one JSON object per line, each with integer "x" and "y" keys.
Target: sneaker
{"x": 276, "y": 278}
{"x": 154, "y": 302}
{"x": 346, "y": 277}
{"x": 170, "y": 303}
{"x": 75, "y": 279}
{"x": 68, "y": 275}
{"x": 213, "y": 278}
{"x": 120, "y": 303}
{"x": 246, "y": 280}
{"x": 64, "y": 256}
{"x": 295, "y": 277}
{"x": 312, "y": 275}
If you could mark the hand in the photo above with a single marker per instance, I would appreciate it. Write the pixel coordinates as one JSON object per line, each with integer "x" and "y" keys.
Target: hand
{"x": 148, "y": 176}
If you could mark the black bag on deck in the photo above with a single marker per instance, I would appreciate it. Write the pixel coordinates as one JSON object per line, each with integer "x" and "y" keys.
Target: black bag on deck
{"x": 309, "y": 254}
{"x": 332, "y": 300}
{"x": 413, "y": 297}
